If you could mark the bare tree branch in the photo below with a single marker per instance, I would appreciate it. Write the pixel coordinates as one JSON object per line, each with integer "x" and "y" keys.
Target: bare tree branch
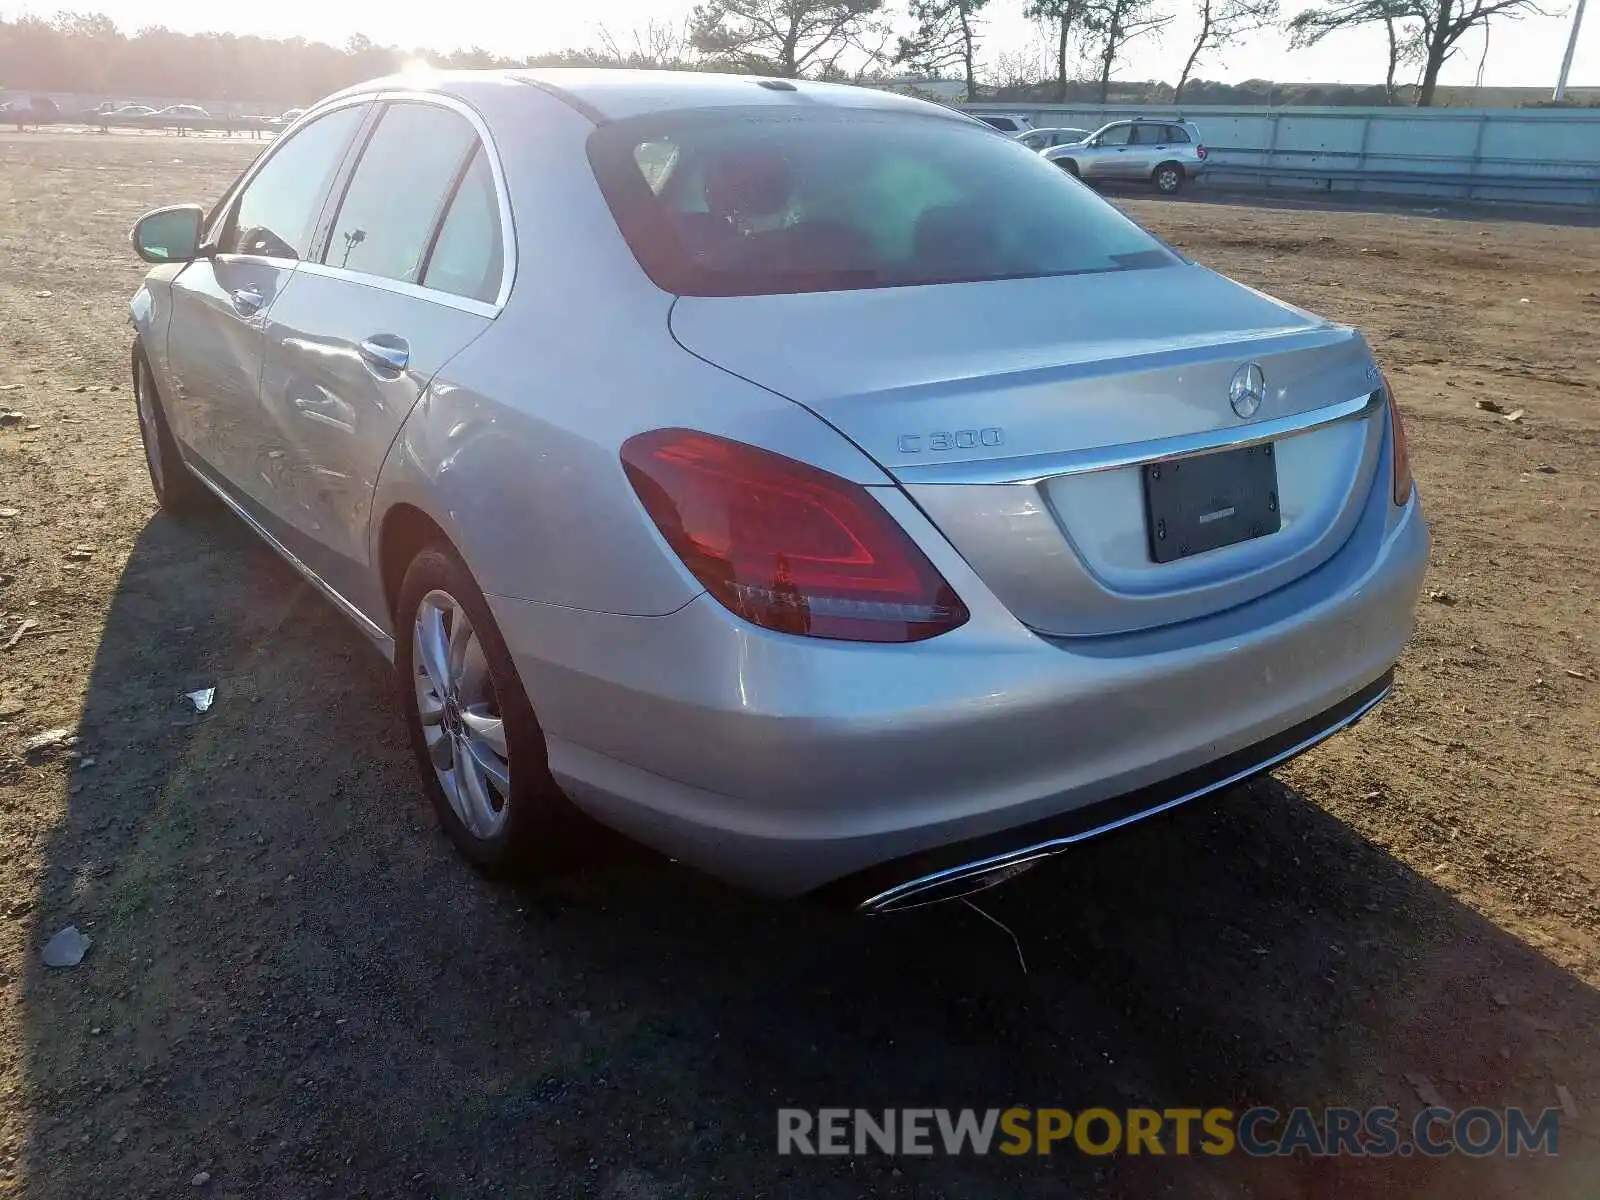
{"x": 946, "y": 33}
{"x": 1115, "y": 23}
{"x": 1434, "y": 27}
{"x": 1223, "y": 22}
{"x": 780, "y": 37}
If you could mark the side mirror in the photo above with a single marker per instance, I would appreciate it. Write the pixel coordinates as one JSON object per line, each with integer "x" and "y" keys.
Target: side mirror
{"x": 169, "y": 235}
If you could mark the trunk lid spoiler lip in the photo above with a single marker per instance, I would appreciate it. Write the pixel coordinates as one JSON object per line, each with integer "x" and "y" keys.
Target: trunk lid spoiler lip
{"x": 1036, "y": 468}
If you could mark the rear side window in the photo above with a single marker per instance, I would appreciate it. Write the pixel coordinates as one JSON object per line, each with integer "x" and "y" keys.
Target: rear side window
{"x": 466, "y": 258}
{"x": 749, "y": 202}
{"x": 1150, "y": 135}
{"x": 278, "y": 208}
{"x": 398, "y": 191}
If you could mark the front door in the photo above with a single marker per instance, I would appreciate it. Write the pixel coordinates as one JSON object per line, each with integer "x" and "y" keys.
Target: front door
{"x": 220, "y": 304}
{"x": 1105, "y": 159}
{"x": 412, "y": 273}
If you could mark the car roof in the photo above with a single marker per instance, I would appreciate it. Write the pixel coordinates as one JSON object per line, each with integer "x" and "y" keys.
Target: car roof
{"x": 616, "y": 94}
{"x": 1150, "y": 121}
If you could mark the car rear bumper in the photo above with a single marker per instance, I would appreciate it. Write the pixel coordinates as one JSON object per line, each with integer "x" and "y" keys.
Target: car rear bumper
{"x": 786, "y": 764}
{"x": 971, "y": 866}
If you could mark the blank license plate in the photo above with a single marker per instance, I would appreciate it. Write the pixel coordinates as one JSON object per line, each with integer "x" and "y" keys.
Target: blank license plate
{"x": 1197, "y": 504}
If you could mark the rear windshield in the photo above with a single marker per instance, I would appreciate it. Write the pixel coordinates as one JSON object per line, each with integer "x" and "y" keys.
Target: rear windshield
{"x": 744, "y": 202}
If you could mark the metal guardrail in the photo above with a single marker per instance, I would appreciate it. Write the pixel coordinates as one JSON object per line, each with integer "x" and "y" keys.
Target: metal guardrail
{"x": 1444, "y": 181}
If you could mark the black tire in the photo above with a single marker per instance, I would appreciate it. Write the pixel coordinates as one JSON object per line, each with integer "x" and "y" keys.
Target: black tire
{"x": 1069, "y": 166}
{"x": 1168, "y": 178}
{"x": 177, "y": 490}
{"x": 541, "y": 831}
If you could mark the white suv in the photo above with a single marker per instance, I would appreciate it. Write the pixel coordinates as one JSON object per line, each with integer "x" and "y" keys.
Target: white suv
{"x": 1005, "y": 122}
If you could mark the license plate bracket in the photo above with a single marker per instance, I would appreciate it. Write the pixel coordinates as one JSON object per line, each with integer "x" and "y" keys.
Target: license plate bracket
{"x": 1209, "y": 501}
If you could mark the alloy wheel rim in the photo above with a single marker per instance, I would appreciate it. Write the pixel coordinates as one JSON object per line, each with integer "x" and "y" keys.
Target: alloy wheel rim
{"x": 1169, "y": 180}
{"x": 460, "y": 714}
{"x": 148, "y": 427}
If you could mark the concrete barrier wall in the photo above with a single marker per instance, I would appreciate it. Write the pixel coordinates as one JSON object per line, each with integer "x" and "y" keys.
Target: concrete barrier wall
{"x": 1516, "y": 154}
{"x": 84, "y": 101}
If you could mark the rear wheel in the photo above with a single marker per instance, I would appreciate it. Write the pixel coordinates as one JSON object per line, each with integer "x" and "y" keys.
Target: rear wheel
{"x": 177, "y": 491}
{"x": 474, "y": 733}
{"x": 1168, "y": 178}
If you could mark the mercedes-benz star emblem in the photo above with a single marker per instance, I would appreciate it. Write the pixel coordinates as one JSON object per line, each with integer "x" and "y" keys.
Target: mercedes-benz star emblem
{"x": 1247, "y": 390}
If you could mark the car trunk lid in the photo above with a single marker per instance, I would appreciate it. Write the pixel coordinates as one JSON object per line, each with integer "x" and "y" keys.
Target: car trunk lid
{"x": 1019, "y": 414}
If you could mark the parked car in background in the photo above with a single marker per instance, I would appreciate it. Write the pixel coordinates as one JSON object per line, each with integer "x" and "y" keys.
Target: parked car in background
{"x": 1165, "y": 153}
{"x": 1045, "y": 139}
{"x": 936, "y": 517}
{"x": 129, "y": 112}
{"x": 1005, "y": 122}
{"x": 185, "y": 112}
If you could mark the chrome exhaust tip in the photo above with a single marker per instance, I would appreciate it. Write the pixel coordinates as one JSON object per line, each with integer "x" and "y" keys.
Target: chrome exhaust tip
{"x": 952, "y": 884}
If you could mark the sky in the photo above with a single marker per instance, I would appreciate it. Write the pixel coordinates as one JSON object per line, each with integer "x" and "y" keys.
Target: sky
{"x": 1520, "y": 53}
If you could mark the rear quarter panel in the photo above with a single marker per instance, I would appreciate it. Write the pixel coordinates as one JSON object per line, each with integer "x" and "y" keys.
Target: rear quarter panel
{"x": 514, "y": 449}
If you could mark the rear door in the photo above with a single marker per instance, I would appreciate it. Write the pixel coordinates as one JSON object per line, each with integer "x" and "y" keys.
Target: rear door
{"x": 215, "y": 344}
{"x": 1147, "y": 147}
{"x": 414, "y": 267}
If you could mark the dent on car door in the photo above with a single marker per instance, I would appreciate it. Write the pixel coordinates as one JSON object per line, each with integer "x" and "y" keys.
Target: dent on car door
{"x": 411, "y": 274}
{"x": 215, "y": 347}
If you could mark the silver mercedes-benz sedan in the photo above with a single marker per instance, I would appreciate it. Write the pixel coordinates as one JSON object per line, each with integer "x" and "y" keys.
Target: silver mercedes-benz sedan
{"x": 797, "y": 478}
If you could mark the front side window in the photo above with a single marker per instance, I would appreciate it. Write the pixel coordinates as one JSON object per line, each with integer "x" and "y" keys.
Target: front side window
{"x": 466, "y": 258}
{"x": 743, "y": 201}
{"x": 1113, "y": 135}
{"x": 278, "y": 208}
{"x": 398, "y": 190}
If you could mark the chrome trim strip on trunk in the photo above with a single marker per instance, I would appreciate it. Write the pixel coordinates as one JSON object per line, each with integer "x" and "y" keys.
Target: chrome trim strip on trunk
{"x": 903, "y": 896}
{"x": 1036, "y": 468}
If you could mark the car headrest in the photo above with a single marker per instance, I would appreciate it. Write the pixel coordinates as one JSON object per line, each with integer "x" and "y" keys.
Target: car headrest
{"x": 747, "y": 183}
{"x": 954, "y": 233}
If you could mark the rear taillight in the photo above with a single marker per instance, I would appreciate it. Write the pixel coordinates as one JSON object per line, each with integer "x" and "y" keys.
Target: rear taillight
{"x": 785, "y": 545}
{"x": 1200, "y": 152}
{"x": 1402, "y": 457}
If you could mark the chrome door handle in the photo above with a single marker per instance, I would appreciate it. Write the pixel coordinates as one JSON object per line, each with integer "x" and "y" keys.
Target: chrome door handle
{"x": 247, "y": 302}
{"x": 391, "y": 354}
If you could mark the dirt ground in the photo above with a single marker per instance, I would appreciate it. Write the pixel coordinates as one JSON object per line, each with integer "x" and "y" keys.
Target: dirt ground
{"x": 296, "y": 990}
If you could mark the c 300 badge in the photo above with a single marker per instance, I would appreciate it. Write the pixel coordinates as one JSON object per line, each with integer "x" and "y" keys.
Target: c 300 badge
{"x": 950, "y": 439}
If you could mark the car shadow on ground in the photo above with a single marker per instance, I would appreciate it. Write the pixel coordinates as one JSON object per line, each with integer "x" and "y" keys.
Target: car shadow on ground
{"x": 297, "y": 989}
